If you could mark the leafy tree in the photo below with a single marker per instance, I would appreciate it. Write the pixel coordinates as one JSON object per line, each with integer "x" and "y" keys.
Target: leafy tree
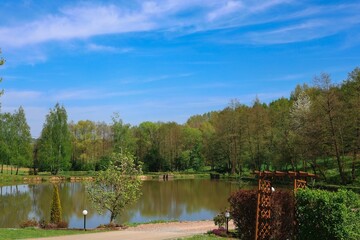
{"x": 281, "y": 148}
{"x": 15, "y": 140}
{"x": 117, "y": 187}
{"x": 22, "y": 140}
{"x": 170, "y": 143}
{"x": 328, "y": 109}
{"x": 54, "y": 143}
{"x": 351, "y": 95}
{"x": 123, "y": 139}
{"x": 147, "y": 143}
{"x": 5, "y": 139}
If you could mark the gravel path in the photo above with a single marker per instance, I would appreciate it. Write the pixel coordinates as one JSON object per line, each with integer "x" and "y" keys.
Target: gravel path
{"x": 156, "y": 231}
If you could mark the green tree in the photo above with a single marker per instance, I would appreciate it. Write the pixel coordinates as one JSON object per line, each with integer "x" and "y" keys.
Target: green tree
{"x": 281, "y": 142}
{"x": 22, "y": 140}
{"x": 123, "y": 139}
{"x": 328, "y": 109}
{"x": 351, "y": 94}
{"x": 116, "y": 187}
{"x": 5, "y": 139}
{"x": 54, "y": 144}
{"x": 56, "y": 212}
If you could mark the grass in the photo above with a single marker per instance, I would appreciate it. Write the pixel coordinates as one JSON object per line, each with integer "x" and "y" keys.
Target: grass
{"x": 204, "y": 237}
{"x": 150, "y": 222}
{"x": 22, "y": 233}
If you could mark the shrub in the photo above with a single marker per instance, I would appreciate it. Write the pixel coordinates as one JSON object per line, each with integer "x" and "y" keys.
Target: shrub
{"x": 283, "y": 214}
{"x": 328, "y": 215}
{"x": 62, "y": 224}
{"x": 243, "y": 212}
{"x": 56, "y": 212}
{"x": 220, "y": 232}
{"x": 220, "y": 219}
{"x": 29, "y": 223}
{"x": 50, "y": 226}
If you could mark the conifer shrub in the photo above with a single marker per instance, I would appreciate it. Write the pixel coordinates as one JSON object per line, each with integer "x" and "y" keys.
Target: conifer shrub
{"x": 56, "y": 211}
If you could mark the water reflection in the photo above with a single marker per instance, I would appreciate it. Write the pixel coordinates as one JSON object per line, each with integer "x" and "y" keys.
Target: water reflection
{"x": 195, "y": 199}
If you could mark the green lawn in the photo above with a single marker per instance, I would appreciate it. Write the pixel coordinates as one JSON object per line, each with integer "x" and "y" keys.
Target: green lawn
{"x": 204, "y": 237}
{"x": 21, "y": 233}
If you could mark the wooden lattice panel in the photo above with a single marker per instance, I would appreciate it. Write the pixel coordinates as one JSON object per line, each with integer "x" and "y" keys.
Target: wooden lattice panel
{"x": 263, "y": 212}
{"x": 299, "y": 184}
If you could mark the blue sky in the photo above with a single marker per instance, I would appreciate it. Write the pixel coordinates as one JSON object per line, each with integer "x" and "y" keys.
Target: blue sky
{"x": 164, "y": 60}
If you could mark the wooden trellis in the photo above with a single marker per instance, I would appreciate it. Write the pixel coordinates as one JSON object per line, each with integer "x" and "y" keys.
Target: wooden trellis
{"x": 263, "y": 211}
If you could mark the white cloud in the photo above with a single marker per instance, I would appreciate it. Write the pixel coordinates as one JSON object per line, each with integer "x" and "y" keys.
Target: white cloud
{"x": 15, "y": 98}
{"x": 88, "y": 20}
{"x": 102, "y": 48}
{"x": 78, "y": 22}
{"x": 228, "y": 8}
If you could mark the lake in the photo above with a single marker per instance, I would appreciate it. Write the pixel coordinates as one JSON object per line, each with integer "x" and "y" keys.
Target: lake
{"x": 183, "y": 200}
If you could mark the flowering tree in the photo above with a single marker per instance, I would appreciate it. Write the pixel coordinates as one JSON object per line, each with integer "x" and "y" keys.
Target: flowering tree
{"x": 116, "y": 187}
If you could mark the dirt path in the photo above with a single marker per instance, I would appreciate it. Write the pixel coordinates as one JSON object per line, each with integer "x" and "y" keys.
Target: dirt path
{"x": 157, "y": 231}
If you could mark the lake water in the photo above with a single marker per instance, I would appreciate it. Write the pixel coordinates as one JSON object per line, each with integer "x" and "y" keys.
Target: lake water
{"x": 183, "y": 200}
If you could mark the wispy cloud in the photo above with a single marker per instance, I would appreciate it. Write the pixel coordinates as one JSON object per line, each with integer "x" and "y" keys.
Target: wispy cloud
{"x": 304, "y": 31}
{"x": 103, "y": 48}
{"x": 83, "y": 21}
{"x": 167, "y": 77}
{"x": 228, "y": 8}
{"x": 93, "y": 94}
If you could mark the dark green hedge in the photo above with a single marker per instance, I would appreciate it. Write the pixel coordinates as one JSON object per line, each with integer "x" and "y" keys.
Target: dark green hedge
{"x": 320, "y": 215}
{"x": 328, "y": 215}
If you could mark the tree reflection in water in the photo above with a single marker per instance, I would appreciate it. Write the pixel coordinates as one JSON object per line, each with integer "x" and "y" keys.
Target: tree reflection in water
{"x": 195, "y": 199}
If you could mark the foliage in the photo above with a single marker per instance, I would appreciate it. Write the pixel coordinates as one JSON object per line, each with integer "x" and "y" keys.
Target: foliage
{"x": 283, "y": 206}
{"x": 203, "y": 237}
{"x": 328, "y": 215}
{"x": 15, "y": 140}
{"x": 56, "y": 212}
{"x": 220, "y": 220}
{"x": 116, "y": 187}
{"x": 243, "y": 212}
{"x": 220, "y": 232}
{"x": 22, "y": 233}
{"x": 29, "y": 223}
{"x": 54, "y": 148}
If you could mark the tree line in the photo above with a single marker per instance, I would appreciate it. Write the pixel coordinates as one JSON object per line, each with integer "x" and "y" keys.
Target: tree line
{"x": 317, "y": 126}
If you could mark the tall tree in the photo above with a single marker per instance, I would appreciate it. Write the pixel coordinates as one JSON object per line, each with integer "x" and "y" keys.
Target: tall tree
{"x": 22, "y": 140}
{"x": 281, "y": 142}
{"x": 329, "y": 111}
{"x": 5, "y": 139}
{"x": 54, "y": 143}
{"x": 123, "y": 139}
{"x": 351, "y": 95}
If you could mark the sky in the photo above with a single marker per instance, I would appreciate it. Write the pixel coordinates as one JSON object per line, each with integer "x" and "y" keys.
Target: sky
{"x": 165, "y": 60}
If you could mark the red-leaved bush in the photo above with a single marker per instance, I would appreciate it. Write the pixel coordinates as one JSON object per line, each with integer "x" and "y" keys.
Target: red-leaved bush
{"x": 243, "y": 210}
